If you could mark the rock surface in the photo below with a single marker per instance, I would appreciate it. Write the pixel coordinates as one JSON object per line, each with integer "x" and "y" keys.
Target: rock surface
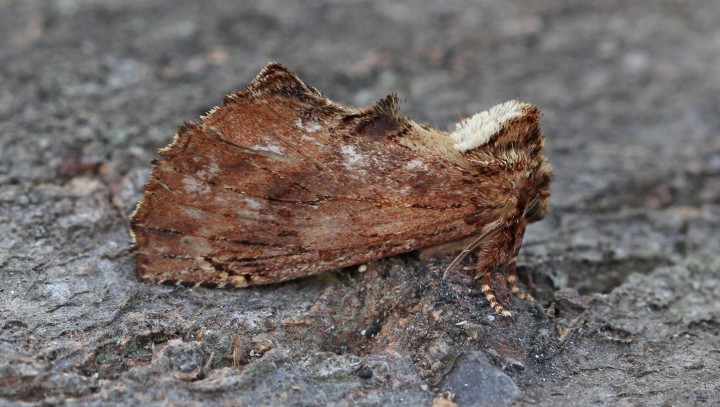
{"x": 626, "y": 267}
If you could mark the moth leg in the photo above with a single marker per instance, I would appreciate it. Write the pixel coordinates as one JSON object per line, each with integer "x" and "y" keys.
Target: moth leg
{"x": 490, "y": 296}
{"x": 492, "y": 255}
{"x": 512, "y": 280}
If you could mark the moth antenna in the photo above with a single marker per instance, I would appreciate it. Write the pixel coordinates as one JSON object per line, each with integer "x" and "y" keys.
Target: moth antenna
{"x": 472, "y": 246}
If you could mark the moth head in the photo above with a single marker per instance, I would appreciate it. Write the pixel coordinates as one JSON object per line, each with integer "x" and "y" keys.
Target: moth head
{"x": 521, "y": 144}
{"x": 537, "y": 190}
{"x": 505, "y": 142}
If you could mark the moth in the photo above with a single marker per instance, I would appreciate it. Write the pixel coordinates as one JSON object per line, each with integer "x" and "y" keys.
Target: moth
{"x": 280, "y": 182}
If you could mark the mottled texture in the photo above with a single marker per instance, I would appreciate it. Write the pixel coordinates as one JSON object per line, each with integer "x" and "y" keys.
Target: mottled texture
{"x": 625, "y": 267}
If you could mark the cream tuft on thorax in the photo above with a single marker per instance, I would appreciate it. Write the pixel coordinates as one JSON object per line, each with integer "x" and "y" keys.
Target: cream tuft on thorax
{"x": 479, "y": 128}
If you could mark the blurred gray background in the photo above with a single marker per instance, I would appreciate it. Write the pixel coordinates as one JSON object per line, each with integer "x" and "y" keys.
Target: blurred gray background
{"x": 625, "y": 268}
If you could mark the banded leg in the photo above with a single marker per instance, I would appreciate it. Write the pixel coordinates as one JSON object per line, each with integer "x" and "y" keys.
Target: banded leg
{"x": 512, "y": 280}
{"x": 490, "y": 296}
{"x": 493, "y": 255}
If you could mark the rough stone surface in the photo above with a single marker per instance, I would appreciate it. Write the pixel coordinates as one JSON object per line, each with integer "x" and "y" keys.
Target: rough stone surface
{"x": 626, "y": 267}
{"x": 474, "y": 381}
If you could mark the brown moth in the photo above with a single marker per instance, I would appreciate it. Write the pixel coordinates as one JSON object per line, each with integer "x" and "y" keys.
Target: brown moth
{"x": 280, "y": 183}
